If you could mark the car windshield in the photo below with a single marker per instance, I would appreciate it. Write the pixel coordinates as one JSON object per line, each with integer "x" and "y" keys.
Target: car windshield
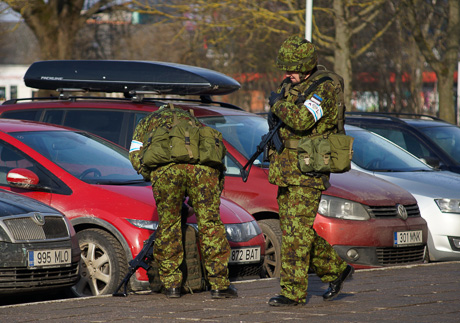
{"x": 87, "y": 157}
{"x": 447, "y": 138}
{"x": 374, "y": 153}
{"x": 243, "y": 132}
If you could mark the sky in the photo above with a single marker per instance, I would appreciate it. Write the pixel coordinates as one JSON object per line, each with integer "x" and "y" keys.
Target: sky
{"x": 7, "y": 14}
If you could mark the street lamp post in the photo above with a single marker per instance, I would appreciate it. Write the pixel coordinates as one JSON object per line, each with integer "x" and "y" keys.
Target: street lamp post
{"x": 458, "y": 94}
{"x": 308, "y": 19}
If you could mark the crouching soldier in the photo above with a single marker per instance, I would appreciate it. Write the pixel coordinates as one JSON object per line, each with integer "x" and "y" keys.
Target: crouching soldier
{"x": 169, "y": 149}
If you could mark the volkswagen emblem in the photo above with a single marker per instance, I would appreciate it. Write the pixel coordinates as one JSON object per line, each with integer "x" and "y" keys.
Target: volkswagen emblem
{"x": 402, "y": 212}
{"x": 38, "y": 218}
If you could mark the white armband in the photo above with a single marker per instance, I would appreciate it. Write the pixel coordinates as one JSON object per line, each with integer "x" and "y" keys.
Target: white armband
{"x": 135, "y": 146}
{"x": 314, "y": 106}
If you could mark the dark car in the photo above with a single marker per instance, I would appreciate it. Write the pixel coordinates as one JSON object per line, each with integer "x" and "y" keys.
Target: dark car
{"x": 39, "y": 247}
{"x": 355, "y": 203}
{"x": 429, "y": 138}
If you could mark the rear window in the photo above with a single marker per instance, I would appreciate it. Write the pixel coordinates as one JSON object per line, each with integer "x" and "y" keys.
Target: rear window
{"x": 22, "y": 115}
{"x": 403, "y": 139}
{"x": 106, "y": 124}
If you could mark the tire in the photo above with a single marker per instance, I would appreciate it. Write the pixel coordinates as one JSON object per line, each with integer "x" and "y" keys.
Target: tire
{"x": 272, "y": 261}
{"x": 103, "y": 263}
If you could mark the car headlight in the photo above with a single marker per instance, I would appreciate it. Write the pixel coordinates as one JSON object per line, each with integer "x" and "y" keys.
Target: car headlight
{"x": 448, "y": 205}
{"x": 4, "y": 236}
{"x": 240, "y": 232}
{"x": 143, "y": 224}
{"x": 70, "y": 226}
{"x": 335, "y": 207}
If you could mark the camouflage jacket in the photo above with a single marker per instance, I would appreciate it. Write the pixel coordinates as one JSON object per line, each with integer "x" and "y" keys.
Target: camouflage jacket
{"x": 316, "y": 114}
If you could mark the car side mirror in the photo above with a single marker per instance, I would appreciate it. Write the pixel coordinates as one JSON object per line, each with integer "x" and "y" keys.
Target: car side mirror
{"x": 22, "y": 178}
{"x": 432, "y": 161}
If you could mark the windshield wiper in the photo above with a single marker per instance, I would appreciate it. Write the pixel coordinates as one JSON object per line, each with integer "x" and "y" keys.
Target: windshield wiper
{"x": 402, "y": 170}
{"x": 118, "y": 182}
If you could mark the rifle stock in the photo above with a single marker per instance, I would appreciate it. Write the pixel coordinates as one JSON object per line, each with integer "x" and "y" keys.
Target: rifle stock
{"x": 145, "y": 256}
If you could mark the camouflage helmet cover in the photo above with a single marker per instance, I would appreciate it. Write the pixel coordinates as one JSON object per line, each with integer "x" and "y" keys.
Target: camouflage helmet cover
{"x": 297, "y": 55}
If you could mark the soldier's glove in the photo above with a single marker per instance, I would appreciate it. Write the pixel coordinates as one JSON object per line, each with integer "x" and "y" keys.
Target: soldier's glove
{"x": 275, "y": 97}
{"x": 272, "y": 120}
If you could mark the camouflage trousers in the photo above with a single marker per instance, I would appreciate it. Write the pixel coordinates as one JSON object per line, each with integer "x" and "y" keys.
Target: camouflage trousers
{"x": 302, "y": 248}
{"x": 201, "y": 184}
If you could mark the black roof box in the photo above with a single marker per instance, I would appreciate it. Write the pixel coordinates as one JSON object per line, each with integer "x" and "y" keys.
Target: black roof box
{"x": 128, "y": 76}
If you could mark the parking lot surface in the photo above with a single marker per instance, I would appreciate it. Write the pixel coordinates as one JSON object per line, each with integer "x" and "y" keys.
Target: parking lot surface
{"x": 419, "y": 293}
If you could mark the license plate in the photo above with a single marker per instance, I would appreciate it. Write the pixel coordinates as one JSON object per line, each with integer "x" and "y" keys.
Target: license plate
{"x": 53, "y": 257}
{"x": 403, "y": 238}
{"x": 245, "y": 255}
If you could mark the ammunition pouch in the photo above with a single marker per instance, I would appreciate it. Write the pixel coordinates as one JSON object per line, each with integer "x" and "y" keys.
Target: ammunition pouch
{"x": 184, "y": 141}
{"x": 211, "y": 147}
{"x": 326, "y": 153}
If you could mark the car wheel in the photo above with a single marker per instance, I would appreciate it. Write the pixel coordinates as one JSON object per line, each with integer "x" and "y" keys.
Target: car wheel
{"x": 103, "y": 263}
{"x": 272, "y": 233}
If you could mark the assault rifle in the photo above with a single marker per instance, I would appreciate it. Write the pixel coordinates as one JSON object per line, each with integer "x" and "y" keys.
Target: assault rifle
{"x": 143, "y": 259}
{"x": 271, "y": 137}
{"x": 145, "y": 256}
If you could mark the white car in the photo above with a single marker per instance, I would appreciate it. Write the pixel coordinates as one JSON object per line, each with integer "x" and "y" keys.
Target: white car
{"x": 437, "y": 192}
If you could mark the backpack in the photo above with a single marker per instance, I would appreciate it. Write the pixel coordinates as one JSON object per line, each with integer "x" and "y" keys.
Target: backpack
{"x": 194, "y": 277}
{"x": 330, "y": 152}
{"x": 186, "y": 141}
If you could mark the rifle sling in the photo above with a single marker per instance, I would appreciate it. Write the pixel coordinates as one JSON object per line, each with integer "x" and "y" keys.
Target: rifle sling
{"x": 291, "y": 143}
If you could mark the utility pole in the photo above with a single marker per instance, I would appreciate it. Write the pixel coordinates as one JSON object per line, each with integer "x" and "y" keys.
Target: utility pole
{"x": 308, "y": 19}
{"x": 458, "y": 94}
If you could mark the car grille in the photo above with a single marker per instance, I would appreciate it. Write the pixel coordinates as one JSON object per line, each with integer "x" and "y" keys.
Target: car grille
{"x": 401, "y": 255}
{"x": 15, "y": 279}
{"x": 244, "y": 270}
{"x": 392, "y": 211}
{"x": 26, "y": 229}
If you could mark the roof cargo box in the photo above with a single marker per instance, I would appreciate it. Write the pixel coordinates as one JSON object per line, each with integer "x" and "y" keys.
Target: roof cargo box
{"x": 128, "y": 76}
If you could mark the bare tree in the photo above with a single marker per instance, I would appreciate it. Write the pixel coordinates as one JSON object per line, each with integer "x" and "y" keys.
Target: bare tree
{"x": 337, "y": 24}
{"x": 435, "y": 27}
{"x": 241, "y": 38}
{"x": 18, "y": 44}
{"x": 56, "y": 23}
{"x": 244, "y": 36}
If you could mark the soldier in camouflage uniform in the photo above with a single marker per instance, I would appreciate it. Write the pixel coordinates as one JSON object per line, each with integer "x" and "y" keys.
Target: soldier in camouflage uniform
{"x": 170, "y": 184}
{"x": 299, "y": 194}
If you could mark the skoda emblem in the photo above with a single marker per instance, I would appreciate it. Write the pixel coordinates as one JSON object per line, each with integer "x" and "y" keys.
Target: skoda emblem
{"x": 402, "y": 212}
{"x": 38, "y": 218}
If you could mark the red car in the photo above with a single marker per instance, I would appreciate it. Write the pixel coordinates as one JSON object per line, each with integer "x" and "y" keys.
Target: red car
{"x": 111, "y": 207}
{"x": 359, "y": 215}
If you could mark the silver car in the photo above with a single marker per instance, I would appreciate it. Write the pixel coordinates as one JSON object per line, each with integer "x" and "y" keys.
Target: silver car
{"x": 437, "y": 192}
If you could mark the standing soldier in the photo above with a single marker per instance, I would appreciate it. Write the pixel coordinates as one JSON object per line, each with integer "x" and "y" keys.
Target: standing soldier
{"x": 305, "y": 108}
{"x": 171, "y": 182}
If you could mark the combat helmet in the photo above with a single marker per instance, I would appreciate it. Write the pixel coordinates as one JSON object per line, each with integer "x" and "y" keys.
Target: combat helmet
{"x": 297, "y": 55}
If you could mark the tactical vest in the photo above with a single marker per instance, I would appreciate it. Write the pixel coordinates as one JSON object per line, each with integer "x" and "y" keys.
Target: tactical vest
{"x": 329, "y": 152}
{"x": 186, "y": 141}
{"x": 322, "y": 75}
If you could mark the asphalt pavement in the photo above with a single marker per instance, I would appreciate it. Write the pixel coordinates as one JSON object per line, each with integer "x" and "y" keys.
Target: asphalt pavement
{"x": 419, "y": 293}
